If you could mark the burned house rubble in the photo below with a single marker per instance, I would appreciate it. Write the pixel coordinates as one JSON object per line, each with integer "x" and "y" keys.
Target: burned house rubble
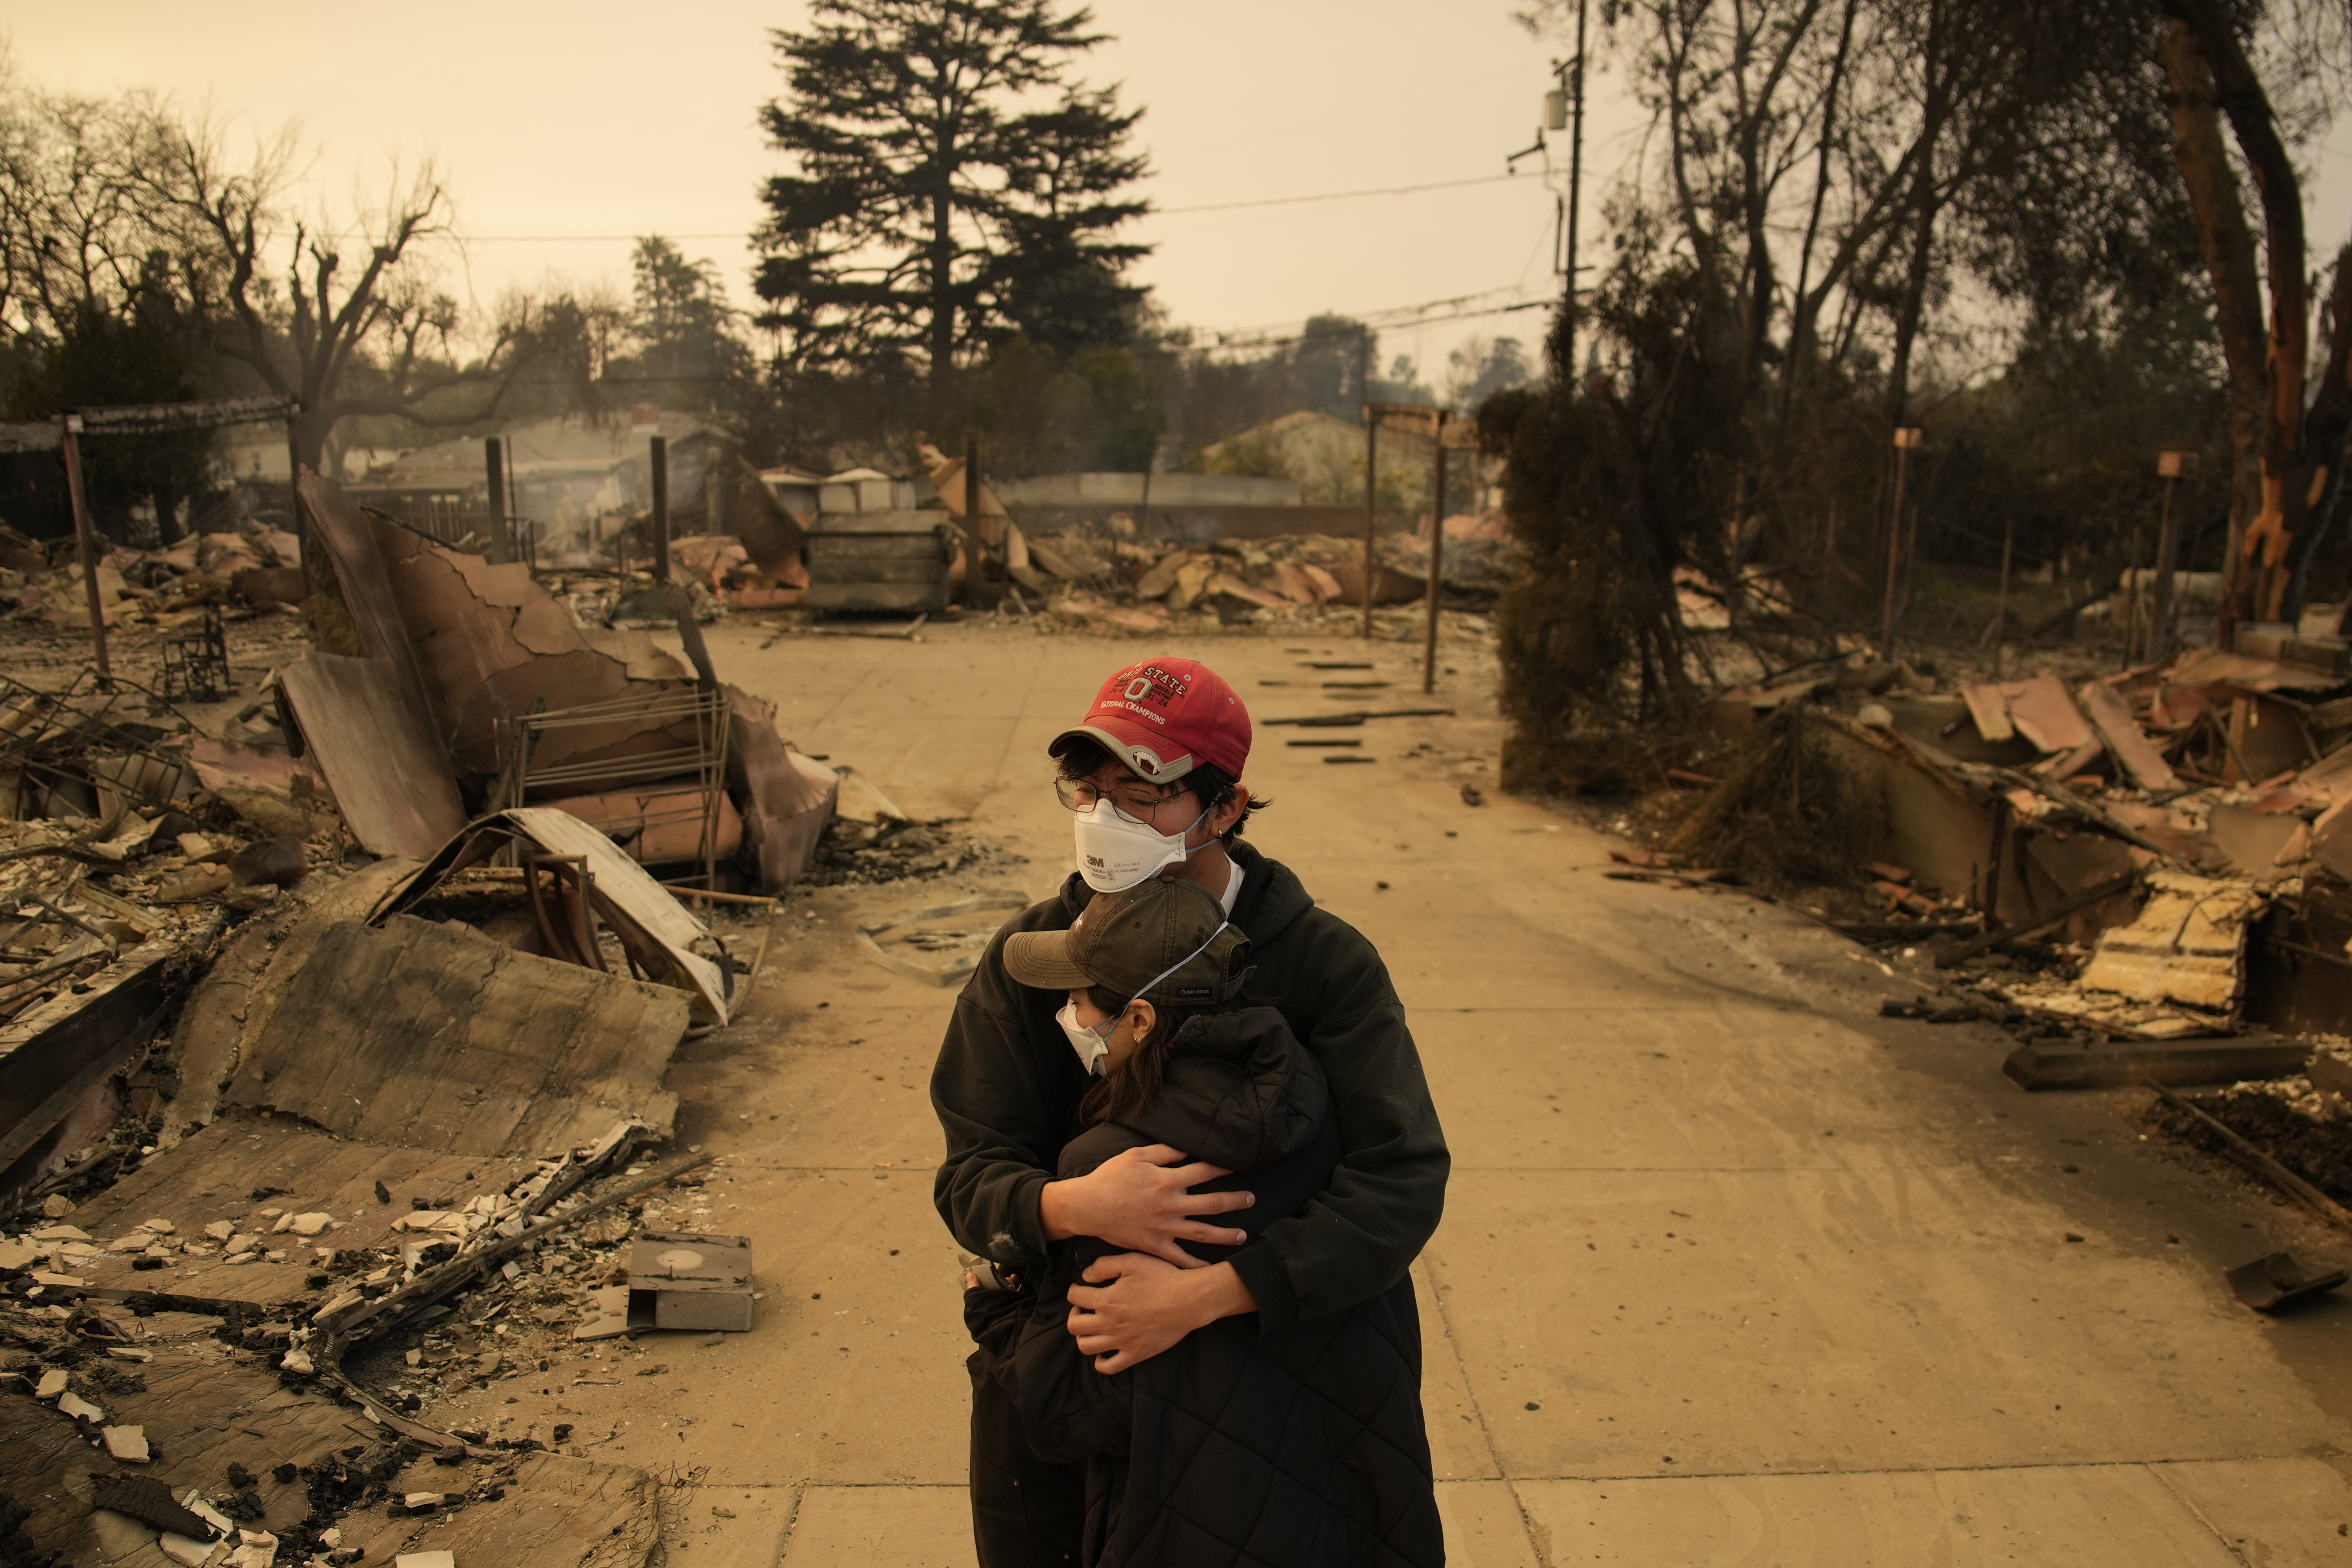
{"x": 2147, "y": 876}
{"x": 334, "y": 1032}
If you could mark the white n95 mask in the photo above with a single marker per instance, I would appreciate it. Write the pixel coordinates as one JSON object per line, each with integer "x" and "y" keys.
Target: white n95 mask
{"x": 1093, "y": 1045}
{"x": 1116, "y": 852}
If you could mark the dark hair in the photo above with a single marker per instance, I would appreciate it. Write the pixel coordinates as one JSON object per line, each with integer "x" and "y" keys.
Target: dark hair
{"x": 1124, "y": 1090}
{"x": 1082, "y": 757}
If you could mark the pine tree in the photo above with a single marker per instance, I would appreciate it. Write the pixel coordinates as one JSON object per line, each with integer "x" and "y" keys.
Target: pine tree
{"x": 932, "y": 214}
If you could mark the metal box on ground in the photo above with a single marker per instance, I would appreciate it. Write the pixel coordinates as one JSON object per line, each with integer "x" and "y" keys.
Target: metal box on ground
{"x": 880, "y": 560}
{"x": 689, "y": 1281}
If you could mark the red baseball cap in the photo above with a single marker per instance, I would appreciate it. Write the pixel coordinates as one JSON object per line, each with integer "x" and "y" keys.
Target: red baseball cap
{"x": 1163, "y": 717}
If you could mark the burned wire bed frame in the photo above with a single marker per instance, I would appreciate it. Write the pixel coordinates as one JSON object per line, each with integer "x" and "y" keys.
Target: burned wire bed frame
{"x": 82, "y": 752}
{"x": 701, "y": 766}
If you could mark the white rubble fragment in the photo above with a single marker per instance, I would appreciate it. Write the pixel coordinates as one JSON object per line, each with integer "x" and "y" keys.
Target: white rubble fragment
{"x": 424, "y": 1499}
{"x": 126, "y": 1444}
{"x": 297, "y": 1361}
{"x": 157, "y": 1227}
{"x": 193, "y": 1500}
{"x": 221, "y": 1229}
{"x": 241, "y": 1245}
{"x": 285, "y": 1221}
{"x": 16, "y": 1253}
{"x": 60, "y": 1233}
{"x": 80, "y": 1409}
{"x": 126, "y": 1353}
{"x": 180, "y": 1549}
{"x": 310, "y": 1224}
{"x": 52, "y": 1384}
{"x": 256, "y": 1549}
{"x": 425, "y": 1560}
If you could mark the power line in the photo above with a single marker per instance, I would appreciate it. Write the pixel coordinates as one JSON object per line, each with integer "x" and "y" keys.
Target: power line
{"x": 1155, "y": 212}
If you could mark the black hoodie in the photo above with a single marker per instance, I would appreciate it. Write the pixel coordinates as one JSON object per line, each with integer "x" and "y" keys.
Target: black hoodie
{"x": 1007, "y": 1086}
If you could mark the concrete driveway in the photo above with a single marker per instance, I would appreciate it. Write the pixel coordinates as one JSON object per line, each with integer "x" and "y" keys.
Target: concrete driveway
{"x": 1733, "y": 1270}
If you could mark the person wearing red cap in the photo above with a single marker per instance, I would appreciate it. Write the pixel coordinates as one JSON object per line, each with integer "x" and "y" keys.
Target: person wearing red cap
{"x": 1152, "y": 778}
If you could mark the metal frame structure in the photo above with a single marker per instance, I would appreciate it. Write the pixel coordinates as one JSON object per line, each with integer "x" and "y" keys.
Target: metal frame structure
{"x": 65, "y": 745}
{"x": 704, "y": 763}
{"x": 196, "y": 664}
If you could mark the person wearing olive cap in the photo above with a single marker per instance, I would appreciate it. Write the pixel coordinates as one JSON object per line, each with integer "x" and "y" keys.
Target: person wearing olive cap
{"x": 1152, "y": 778}
{"x": 1307, "y": 1442}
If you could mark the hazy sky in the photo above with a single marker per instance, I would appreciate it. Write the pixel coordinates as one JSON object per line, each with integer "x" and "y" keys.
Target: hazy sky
{"x": 590, "y": 118}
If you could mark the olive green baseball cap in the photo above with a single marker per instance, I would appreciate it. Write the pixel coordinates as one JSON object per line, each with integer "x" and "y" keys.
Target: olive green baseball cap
{"x": 1161, "y": 941}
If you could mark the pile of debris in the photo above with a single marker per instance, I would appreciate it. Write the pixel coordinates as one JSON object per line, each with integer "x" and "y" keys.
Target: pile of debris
{"x": 328, "y": 1038}
{"x": 2179, "y": 834}
{"x": 257, "y": 565}
{"x": 188, "y": 1371}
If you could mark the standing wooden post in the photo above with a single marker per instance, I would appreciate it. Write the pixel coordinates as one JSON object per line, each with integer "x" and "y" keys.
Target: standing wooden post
{"x": 661, "y": 510}
{"x": 1436, "y": 559}
{"x": 1371, "y": 495}
{"x": 84, "y": 541}
{"x": 976, "y": 569}
{"x": 2131, "y": 600}
{"x": 2001, "y": 610}
{"x": 1905, "y": 438}
{"x": 303, "y": 545}
{"x": 493, "y": 458}
{"x": 2168, "y": 467}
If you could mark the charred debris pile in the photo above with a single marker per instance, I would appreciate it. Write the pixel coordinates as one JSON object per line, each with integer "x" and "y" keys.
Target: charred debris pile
{"x": 2147, "y": 876}
{"x": 333, "y": 1060}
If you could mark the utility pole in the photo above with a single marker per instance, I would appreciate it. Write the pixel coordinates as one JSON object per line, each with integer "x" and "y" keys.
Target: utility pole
{"x": 1905, "y": 438}
{"x": 1575, "y": 183}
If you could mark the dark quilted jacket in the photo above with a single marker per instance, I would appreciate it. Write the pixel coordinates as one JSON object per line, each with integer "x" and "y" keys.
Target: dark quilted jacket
{"x": 1299, "y": 1447}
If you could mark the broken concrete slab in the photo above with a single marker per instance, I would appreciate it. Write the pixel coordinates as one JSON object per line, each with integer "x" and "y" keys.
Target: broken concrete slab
{"x": 201, "y": 1410}
{"x": 232, "y": 1003}
{"x": 436, "y": 1036}
{"x": 214, "y": 1173}
{"x": 558, "y": 1512}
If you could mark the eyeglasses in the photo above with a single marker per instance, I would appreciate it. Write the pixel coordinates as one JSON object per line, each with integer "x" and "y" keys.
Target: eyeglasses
{"x": 1132, "y": 804}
